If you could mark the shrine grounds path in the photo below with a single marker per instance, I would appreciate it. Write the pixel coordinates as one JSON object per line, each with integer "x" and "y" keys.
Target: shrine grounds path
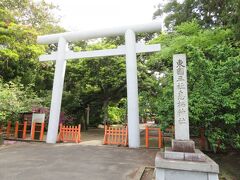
{"x": 38, "y": 161}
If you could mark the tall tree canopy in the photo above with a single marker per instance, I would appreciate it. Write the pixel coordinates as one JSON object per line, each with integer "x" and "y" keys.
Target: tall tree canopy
{"x": 213, "y": 80}
{"x": 208, "y": 32}
{"x": 37, "y": 14}
{"x": 213, "y": 13}
{"x": 20, "y": 69}
{"x": 19, "y": 51}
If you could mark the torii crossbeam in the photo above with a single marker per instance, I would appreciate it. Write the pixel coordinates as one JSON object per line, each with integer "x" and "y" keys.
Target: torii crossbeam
{"x": 129, "y": 49}
{"x": 121, "y": 50}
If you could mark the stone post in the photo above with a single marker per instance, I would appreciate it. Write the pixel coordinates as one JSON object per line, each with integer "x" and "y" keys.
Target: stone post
{"x": 182, "y": 141}
{"x": 182, "y": 160}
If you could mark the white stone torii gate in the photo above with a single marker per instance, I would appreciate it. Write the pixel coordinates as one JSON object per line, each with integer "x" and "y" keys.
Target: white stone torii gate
{"x": 129, "y": 49}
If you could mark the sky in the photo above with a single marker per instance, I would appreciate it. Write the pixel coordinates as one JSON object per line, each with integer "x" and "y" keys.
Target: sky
{"x": 91, "y": 14}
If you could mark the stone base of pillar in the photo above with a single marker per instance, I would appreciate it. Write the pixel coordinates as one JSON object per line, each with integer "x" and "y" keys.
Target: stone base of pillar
{"x": 183, "y": 145}
{"x": 169, "y": 169}
{"x": 197, "y": 155}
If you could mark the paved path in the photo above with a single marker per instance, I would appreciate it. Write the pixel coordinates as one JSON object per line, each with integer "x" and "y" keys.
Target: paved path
{"x": 39, "y": 161}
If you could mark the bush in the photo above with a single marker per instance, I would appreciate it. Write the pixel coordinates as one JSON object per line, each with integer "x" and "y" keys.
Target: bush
{"x": 14, "y": 99}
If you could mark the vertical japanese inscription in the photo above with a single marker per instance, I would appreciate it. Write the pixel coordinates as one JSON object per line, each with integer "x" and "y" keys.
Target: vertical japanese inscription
{"x": 180, "y": 89}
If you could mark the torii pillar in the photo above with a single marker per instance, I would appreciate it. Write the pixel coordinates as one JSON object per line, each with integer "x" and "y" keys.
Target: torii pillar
{"x": 57, "y": 90}
{"x": 132, "y": 90}
{"x": 130, "y": 49}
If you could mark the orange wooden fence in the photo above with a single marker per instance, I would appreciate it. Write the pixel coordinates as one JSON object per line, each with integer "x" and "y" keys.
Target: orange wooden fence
{"x": 116, "y": 135}
{"x": 151, "y": 133}
{"x": 20, "y": 129}
{"x": 40, "y": 130}
{"x": 8, "y": 130}
{"x": 69, "y": 133}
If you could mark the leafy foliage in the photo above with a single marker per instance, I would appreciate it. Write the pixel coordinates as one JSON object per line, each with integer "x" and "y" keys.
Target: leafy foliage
{"x": 208, "y": 14}
{"x": 14, "y": 100}
{"x": 37, "y": 14}
{"x": 23, "y": 78}
{"x": 213, "y": 80}
{"x": 116, "y": 114}
{"x": 96, "y": 82}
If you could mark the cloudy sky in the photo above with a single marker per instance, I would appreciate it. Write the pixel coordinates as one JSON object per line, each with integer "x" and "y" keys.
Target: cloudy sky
{"x": 89, "y": 14}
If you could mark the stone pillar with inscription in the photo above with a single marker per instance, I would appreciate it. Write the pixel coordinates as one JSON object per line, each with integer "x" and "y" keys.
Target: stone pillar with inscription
{"x": 182, "y": 160}
{"x": 182, "y": 142}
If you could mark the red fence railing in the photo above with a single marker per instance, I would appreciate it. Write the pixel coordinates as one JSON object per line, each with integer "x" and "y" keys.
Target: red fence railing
{"x": 37, "y": 128}
{"x": 20, "y": 130}
{"x": 151, "y": 132}
{"x": 69, "y": 133}
{"x": 24, "y": 130}
{"x": 115, "y": 135}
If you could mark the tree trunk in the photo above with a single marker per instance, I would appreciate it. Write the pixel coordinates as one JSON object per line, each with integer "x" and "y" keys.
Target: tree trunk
{"x": 105, "y": 111}
{"x": 83, "y": 120}
{"x": 87, "y": 115}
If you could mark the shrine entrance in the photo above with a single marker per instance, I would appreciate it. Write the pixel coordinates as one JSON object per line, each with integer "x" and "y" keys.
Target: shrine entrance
{"x": 130, "y": 49}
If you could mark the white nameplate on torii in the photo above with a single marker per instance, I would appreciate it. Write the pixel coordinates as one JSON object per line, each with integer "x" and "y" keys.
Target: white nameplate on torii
{"x": 120, "y": 50}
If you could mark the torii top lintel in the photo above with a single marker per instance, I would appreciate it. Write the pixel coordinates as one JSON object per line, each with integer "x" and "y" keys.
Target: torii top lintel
{"x": 98, "y": 33}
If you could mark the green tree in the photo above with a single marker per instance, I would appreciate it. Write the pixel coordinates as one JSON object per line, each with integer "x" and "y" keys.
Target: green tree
{"x": 15, "y": 99}
{"x": 18, "y": 52}
{"x": 100, "y": 82}
{"x": 19, "y": 55}
{"x": 213, "y": 80}
{"x": 214, "y": 13}
{"x": 96, "y": 81}
{"x": 37, "y": 14}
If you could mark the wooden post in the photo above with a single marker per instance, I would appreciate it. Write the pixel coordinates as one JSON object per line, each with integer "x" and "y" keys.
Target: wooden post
{"x": 79, "y": 133}
{"x": 8, "y": 129}
{"x": 60, "y": 133}
{"x": 42, "y": 131}
{"x": 16, "y": 129}
{"x": 74, "y": 130}
{"x": 159, "y": 141}
{"x": 105, "y": 135}
{"x": 146, "y": 136}
{"x": 159, "y": 138}
{"x": 122, "y": 139}
{"x": 75, "y": 133}
{"x": 126, "y": 139}
{"x": 33, "y": 130}
{"x": 24, "y": 130}
{"x": 119, "y": 136}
